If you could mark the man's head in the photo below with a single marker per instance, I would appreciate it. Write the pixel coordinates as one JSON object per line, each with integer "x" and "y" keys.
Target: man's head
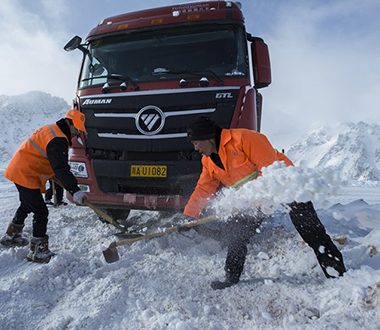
{"x": 76, "y": 120}
{"x": 201, "y": 133}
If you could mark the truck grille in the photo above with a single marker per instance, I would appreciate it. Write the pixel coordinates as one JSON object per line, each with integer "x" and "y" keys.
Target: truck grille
{"x": 146, "y": 128}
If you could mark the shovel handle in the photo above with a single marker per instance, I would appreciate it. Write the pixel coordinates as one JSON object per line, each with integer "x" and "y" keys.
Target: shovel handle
{"x": 142, "y": 238}
{"x": 102, "y": 214}
{"x": 92, "y": 206}
{"x": 97, "y": 210}
{"x": 54, "y": 190}
{"x": 168, "y": 231}
{"x": 200, "y": 221}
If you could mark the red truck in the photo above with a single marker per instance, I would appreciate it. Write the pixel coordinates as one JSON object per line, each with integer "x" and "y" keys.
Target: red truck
{"x": 144, "y": 77}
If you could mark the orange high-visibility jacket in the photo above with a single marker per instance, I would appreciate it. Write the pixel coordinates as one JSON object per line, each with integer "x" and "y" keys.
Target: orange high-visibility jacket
{"x": 243, "y": 154}
{"x": 30, "y": 166}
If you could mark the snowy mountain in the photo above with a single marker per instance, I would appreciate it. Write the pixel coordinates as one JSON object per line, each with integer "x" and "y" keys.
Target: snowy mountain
{"x": 21, "y": 115}
{"x": 352, "y": 149}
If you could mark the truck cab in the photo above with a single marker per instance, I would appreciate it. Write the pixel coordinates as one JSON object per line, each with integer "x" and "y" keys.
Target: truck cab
{"x": 144, "y": 77}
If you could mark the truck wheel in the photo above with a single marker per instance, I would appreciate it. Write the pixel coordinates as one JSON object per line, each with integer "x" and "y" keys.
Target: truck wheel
{"x": 119, "y": 215}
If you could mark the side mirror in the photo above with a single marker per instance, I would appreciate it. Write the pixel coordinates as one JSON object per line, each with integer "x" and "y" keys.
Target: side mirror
{"x": 73, "y": 44}
{"x": 261, "y": 62}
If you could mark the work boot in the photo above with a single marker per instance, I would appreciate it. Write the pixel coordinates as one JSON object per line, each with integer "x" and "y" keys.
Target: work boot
{"x": 13, "y": 236}
{"x": 230, "y": 280}
{"x": 39, "y": 250}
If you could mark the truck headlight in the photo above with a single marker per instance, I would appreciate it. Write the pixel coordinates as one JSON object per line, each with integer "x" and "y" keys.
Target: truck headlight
{"x": 78, "y": 169}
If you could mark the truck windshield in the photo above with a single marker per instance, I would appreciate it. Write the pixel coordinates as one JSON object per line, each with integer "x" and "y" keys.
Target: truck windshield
{"x": 162, "y": 54}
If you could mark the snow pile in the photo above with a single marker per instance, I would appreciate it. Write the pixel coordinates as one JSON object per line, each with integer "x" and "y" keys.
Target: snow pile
{"x": 21, "y": 115}
{"x": 278, "y": 186}
{"x": 352, "y": 149}
{"x": 164, "y": 283}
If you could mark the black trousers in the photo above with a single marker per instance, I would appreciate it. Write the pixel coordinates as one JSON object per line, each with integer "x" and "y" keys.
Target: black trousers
{"x": 306, "y": 222}
{"x": 31, "y": 201}
{"x": 238, "y": 231}
{"x": 58, "y": 191}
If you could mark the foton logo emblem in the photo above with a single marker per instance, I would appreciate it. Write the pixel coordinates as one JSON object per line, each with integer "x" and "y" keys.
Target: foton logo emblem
{"x": 224, "y": 96}
{"x": 150, "y": 120}
{"x": 96, "y": 101}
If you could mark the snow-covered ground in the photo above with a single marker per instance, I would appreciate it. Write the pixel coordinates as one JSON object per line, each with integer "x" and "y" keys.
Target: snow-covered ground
{"x": 164, "y": 283}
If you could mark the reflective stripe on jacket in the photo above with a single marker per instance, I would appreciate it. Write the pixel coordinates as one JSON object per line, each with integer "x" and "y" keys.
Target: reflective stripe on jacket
{"x": 243, "y": 154}
{"x": 30, "y": 166}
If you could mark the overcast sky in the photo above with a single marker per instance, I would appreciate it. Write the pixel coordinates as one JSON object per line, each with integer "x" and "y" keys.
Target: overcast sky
{"x": 325, "y": 55}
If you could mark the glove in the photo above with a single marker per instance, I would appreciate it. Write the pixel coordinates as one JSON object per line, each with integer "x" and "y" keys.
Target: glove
{"x": 184, "y": 219}
{"x": 78, "y": 197}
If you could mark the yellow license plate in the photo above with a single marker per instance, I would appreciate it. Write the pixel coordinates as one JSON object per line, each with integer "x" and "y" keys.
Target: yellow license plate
{"x": 150, "y": 171}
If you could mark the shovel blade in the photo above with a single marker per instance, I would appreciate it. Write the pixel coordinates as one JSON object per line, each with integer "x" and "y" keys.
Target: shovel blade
{"x": 111, "y": 255}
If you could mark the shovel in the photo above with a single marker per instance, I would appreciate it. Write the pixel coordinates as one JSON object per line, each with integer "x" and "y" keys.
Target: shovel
{"x": 103, "y": 215}
{"x": 111, "y": 255}
{"x": 54, "y": 193}
{"x": 94, "y": 208}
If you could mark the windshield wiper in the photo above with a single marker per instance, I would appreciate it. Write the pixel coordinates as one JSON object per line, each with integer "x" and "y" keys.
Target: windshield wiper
{"x": 115, "y": 76}
{"x": 197, "y": 72}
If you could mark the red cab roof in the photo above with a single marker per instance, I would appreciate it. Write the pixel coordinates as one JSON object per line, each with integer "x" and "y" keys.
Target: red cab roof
{"x": 181, "y": 13}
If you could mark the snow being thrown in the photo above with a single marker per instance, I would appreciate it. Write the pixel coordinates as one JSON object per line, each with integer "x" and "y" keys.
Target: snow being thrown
{"x": 278, "y": 186}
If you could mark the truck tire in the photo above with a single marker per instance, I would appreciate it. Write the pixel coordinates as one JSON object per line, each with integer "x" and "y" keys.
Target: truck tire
{"x": 119, "y": 215}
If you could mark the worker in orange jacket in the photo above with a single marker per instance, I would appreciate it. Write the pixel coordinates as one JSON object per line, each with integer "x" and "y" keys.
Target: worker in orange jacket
{"x": 232, "y": 157}
{"x": 42, "y": 156}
